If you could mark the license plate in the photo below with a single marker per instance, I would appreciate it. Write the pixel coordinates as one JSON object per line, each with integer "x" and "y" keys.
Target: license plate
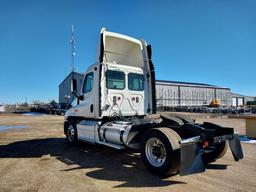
{"x": 219, "y": 139}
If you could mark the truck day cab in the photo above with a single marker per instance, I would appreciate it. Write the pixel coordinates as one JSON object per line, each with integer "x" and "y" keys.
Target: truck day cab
{"x": 115, "y": 107}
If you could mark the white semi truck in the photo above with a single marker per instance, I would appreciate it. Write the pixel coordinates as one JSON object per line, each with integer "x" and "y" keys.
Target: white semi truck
{"x": 115, "y": 108}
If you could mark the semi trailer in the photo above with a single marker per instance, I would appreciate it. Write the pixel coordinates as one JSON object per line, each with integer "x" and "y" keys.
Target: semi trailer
{"x": 116, "y": 107}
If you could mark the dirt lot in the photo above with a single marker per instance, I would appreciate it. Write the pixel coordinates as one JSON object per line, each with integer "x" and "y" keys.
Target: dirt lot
{"x": 38, "y": 158}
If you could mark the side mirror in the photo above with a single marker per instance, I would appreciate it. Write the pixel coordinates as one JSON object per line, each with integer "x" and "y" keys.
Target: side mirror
{"x": 74, "y": 91}
{"x": 81, "y": 97}
{"x": 73, "y": 86}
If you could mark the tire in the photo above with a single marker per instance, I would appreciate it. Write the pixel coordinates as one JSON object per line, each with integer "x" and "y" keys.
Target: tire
{"x": 219, "y": 151}
{"x": 71, "y": 133}
{"x": 160, "y": 151}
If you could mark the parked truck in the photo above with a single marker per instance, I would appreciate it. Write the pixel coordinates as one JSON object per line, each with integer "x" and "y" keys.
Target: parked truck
{"x": 116, "y": 107}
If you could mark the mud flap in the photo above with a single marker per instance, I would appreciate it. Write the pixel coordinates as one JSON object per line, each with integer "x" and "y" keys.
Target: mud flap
{"x": 235, "y": 147}
{"x": 190, "y": 156}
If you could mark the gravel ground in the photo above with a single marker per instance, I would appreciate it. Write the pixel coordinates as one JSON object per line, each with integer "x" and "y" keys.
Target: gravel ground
{"x": 38, "y": 158}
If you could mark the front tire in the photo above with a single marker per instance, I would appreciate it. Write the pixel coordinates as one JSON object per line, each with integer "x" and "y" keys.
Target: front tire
{"x": 71, "y": 133}
{"x": 160, "y": 151}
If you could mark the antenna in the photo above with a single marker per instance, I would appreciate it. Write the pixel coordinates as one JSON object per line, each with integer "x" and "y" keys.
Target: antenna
{"x": 72, "y": 43}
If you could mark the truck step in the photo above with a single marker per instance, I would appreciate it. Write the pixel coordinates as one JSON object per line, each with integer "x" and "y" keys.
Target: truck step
{"x": 119, "y": 147}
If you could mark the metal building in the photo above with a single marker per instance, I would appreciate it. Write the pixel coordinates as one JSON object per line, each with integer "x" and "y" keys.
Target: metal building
{"x": 65, "y": 95}
{"x": 175, "y": 93}
{"x": 240, "y": 100}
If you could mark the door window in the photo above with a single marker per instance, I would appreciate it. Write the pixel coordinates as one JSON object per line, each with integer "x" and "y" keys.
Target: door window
{"x": 88, "y": 83}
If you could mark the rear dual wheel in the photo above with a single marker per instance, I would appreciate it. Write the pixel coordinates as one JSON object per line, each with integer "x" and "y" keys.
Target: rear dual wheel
{"x": 160, "y": 151}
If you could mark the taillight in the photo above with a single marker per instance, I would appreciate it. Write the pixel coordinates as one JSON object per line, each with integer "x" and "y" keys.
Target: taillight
{"x": 205, "y": 144}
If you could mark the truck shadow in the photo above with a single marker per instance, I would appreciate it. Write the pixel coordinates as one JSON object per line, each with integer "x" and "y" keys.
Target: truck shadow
{"x": 107, "y": 164}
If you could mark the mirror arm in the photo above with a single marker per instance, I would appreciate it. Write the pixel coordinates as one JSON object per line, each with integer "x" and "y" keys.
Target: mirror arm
{"x": 75, "y": 95}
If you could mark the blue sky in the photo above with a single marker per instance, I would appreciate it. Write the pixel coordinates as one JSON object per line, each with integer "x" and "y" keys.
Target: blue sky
{"x": 205, "y": 41}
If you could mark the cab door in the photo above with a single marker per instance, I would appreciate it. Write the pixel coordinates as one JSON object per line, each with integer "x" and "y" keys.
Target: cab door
{"x": 85, "y": 129}
{"x": 86, "y": 106}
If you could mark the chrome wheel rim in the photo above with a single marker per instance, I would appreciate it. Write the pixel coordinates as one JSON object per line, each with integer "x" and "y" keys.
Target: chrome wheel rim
{"x": 71, "y": 133}
{"x": 155, "y": 152}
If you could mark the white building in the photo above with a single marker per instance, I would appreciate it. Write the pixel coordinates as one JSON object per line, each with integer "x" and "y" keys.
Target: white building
{"x": 2, "y": 108}
{"x": 240, "y": 100}
{"x": 176, "y": 93}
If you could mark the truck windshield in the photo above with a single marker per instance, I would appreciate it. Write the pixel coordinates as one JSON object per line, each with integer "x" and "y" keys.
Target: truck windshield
{"x": 115, "y": 79}
{"x": 135, "y": 82}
